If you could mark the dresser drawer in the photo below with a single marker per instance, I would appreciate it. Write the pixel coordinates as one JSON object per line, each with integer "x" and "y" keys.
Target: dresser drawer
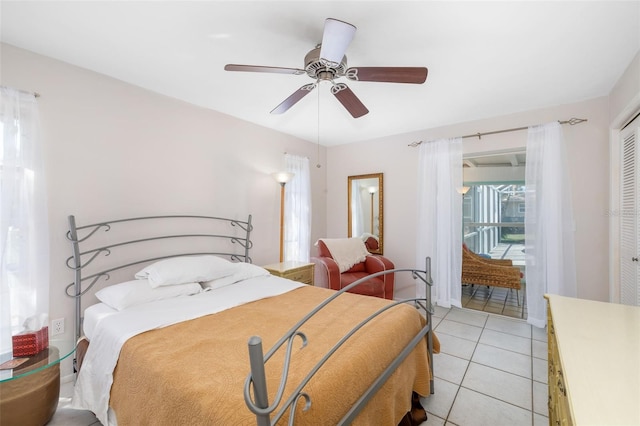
{"x": 559, "y": 411}
{"x": 304, "y": 275}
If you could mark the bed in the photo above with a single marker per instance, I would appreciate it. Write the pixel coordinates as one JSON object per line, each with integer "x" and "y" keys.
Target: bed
{"x": 234, "y": 345}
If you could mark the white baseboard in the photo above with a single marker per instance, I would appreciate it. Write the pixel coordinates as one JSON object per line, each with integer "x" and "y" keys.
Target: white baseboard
{"x": 68, "y": 378}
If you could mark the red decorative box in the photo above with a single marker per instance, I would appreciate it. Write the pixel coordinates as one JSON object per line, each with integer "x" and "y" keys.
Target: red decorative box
{"x": 30, "y": 342}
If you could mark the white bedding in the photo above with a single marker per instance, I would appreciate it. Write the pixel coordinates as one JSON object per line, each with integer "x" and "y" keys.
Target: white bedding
{"x": 92, "y": 316}
{"x": 111, "y": 331}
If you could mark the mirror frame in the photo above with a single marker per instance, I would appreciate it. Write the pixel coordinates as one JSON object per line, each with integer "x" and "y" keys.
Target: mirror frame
{"x": 350, "y": 181}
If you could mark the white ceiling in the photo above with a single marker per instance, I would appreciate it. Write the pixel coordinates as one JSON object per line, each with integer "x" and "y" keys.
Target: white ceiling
{"x": 484, "y": 58}
{"x": 511, "y": 159}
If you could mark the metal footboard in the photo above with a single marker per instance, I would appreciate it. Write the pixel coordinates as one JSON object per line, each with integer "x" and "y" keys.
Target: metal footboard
{"x": 255, "y": 390}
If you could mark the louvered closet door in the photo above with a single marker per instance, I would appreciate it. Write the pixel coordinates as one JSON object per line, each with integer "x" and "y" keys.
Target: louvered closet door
{"x": 630, "y": 217}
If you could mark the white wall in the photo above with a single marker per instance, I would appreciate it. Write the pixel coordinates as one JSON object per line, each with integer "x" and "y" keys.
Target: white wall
{"x": 587, "y": 146}
{"x": 113, "y": 150}
{"x": 624, "y": 99}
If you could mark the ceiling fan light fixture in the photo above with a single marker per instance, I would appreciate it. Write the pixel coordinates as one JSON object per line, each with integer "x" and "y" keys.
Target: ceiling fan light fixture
{"x": 336, "y": 38}
{"x": 314, "y": 66}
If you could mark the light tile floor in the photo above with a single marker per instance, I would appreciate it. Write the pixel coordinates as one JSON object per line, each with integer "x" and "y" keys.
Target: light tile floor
{"x": 65, "y": 416}
{"x": 491, "y": 370}
{"x": 495, "y": 300}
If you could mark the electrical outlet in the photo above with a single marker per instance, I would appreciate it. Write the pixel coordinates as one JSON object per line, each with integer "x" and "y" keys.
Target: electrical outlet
{"x": 57, "y": 326}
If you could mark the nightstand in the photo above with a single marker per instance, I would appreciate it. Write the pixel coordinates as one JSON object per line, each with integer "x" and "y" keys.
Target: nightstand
{"x": 29, "y": 393}
{"x": 293, "y": 270}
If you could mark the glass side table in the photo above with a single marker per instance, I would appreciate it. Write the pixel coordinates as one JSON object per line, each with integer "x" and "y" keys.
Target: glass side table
{"x": 29, "y": 393}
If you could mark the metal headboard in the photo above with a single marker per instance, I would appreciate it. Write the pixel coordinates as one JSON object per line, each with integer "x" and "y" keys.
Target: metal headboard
{"x": 82, "y": 259}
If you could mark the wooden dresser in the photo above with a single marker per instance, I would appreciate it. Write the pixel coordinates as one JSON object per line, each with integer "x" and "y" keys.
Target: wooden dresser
{"x": 594, "y": 362}
{"x": 296, "y": 271}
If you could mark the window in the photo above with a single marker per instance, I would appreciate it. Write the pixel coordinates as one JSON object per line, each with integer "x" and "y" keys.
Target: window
{"x": 24, "y": 236}
{"x": 297, "y": 209}
{"x": 493, "y": 220}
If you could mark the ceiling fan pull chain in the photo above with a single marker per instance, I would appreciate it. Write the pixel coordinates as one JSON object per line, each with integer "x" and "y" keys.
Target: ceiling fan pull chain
{"x": 318, "y": 152}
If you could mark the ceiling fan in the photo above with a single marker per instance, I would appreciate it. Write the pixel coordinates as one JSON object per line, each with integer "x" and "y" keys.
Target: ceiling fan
{"x": 327, "y": 62}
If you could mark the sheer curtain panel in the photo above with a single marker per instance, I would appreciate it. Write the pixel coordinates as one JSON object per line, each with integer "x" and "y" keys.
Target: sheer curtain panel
{"x": 549, "y": 226}
{"x": 297, "y": 217}
{"x": 357, "y": 217}
{"x": 24, "y": 233}
{"x": 440, "y": 218}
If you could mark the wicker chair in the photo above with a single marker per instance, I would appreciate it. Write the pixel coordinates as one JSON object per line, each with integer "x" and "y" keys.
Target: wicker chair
{"x": 480, "y": 270}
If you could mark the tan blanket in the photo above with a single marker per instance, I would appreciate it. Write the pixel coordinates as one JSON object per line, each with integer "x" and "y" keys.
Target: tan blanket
{"x": 346, "y": 251}
{"x": 193, "y": 373}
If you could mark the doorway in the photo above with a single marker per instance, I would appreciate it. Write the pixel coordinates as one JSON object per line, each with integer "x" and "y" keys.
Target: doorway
{"x": 493, "y": 226}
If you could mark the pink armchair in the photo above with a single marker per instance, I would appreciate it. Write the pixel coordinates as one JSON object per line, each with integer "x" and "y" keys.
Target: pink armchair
{"x": 327, "y": 274}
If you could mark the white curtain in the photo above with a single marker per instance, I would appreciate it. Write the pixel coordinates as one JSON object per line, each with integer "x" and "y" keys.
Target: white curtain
{"x": 549, "y": 226}
{"x": 440, "y": 218}
{"x": 297, "y": 217}
{"x": 357, "y": 224}
{"x": 24, "y": 231}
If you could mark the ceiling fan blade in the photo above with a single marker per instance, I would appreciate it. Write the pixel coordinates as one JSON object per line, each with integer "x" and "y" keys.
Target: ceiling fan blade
{"x": 336, "y": 38}
{"x": 415, "y": 75}
{"x": 294, "y": 98}
{"x": 349, "y": 100}
{"x": 259, "y": 68}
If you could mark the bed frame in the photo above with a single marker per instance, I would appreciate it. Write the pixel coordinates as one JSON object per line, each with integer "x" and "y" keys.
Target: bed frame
{"x": 231, "y": 239}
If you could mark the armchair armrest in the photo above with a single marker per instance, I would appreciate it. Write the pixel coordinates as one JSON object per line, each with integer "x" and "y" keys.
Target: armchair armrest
{"x": 326, "y": 273}
{"x": 377, "y": 263}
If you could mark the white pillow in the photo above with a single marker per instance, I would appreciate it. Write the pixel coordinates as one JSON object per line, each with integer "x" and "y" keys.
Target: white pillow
{"x": 244, "y": 271}
{"x": 131, "y": 293}
{"x": 186, "y": 269}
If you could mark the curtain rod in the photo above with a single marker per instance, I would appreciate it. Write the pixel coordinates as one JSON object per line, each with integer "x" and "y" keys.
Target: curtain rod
{"x": 479, "y": 135}
{"x": 36, "y": 94}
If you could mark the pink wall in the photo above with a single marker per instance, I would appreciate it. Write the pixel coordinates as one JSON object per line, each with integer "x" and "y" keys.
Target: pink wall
{"x": 625, "y": 95}
{"x": 114, "y": 150}
{"x": 587, "y": 146}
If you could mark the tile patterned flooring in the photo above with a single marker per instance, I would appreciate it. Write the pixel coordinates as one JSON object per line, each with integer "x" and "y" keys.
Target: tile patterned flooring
{"x": 496, "y": 300}
{"x": 65, "y": 416}
{"x": 491, "y": 370}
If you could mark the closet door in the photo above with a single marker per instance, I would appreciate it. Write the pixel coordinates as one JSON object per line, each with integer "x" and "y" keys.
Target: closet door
{"x": 629, "y": 216}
